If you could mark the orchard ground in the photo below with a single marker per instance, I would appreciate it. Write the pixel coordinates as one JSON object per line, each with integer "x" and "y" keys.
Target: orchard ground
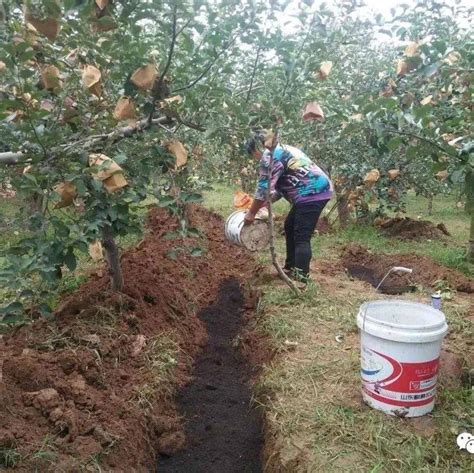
{"x": 309, "y": 392}
{"x": 315, "y": 418}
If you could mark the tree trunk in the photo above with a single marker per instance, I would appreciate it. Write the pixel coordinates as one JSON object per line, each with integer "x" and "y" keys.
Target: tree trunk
{"x": 470, "y": 246}
{"x": 343, "y": 210}
{"x": 430, "y": 205}
{"x": 113, "y": 258}
{"x": 469, "y": 186}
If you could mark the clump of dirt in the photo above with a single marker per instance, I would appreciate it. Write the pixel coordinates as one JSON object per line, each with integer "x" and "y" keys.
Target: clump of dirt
{"x": 410, "y": 229}
{"x": 94, "y": 385}
{"x": 363, "y": 264}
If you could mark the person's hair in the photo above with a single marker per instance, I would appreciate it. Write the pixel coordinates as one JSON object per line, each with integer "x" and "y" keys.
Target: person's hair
{"x": 251, "y": 144}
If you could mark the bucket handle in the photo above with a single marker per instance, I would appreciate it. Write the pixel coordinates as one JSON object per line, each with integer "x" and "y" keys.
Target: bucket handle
{"x": 394, "y": 269}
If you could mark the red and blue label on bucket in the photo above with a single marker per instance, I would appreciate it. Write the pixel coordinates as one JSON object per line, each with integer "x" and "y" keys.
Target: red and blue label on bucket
{"x": 398, "y": 383}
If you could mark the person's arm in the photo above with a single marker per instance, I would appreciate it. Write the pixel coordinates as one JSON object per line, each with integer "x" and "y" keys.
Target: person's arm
{"x": 260, "y": 198}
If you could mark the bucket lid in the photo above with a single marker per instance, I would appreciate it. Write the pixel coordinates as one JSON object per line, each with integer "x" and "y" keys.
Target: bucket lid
{"x": 402, "y": 321}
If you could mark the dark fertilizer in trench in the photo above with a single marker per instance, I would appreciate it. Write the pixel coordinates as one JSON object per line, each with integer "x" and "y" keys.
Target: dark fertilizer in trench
{"x": 389, "y": 286}
{"x": 223, "y": 430}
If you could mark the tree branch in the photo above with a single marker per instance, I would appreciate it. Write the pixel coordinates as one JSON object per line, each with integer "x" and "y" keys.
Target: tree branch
{"x": 253, "y": 74}
{"x": 211, "y": 63}
{"x": 273, "y": 255}
{"x": 158, "y": 87}
{"x": 419, "y": 137}
{"x": 9, "y": 158}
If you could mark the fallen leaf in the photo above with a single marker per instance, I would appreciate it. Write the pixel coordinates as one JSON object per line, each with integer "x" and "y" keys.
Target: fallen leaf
{"x": 177, "y": 149}
{"x": 3, "y": 66}
{"x": 125, "y": 109}
{"x": 144, "y": 77}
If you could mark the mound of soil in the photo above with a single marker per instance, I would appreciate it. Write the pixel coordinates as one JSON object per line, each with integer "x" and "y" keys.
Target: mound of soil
{"x": 409, "y": 229}
{"x": 362, "y": 264}
{"x": 81, "y": 389}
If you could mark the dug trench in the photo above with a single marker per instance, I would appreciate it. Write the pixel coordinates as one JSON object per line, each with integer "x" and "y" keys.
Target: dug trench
{"x": 223, "y": 430}
{"x": 155, "y": 377}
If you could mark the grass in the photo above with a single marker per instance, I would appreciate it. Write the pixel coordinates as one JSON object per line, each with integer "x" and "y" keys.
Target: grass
{"x": 9, "y": 457}
{"x": 161, "y": 354}
{"x": 311, "y": 391}
{"x": 314, "y": 385}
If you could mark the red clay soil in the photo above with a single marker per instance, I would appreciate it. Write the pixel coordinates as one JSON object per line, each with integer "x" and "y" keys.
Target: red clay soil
{"x": 409, "y": 229}
{"x": 71, "y": 386}
{"x": 426, "y": 272}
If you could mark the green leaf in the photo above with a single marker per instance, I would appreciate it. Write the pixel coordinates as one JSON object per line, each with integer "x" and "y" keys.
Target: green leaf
{"x": 412, "y": 152}
{"x": 194, "y": 232}
{"x": 431, "y": 70}
{"x": 172, "y": 254}
{"x": 196, "y": 252}
{"x": 394, "y": 143}
{"x": 12, "y": 308}
{"x": 70, "y": 260}
{"x": 194, "y": 197}
{"x": 457, "y": 176}
{"x": 11, "y": 319}
{"x": 166, "y": 201}
{"x": 45, "y": 310}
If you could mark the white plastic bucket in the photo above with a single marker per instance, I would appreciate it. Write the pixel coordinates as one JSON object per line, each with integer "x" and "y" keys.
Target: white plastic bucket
{"x": 400, "y": 349}
{"x": 254, "y": 237}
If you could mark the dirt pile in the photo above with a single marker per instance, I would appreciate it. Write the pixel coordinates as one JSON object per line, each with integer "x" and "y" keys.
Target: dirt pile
{"x": 361, "y": 263}
{"x": 409, "y": 229}
{"x": 95, "y": 385}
